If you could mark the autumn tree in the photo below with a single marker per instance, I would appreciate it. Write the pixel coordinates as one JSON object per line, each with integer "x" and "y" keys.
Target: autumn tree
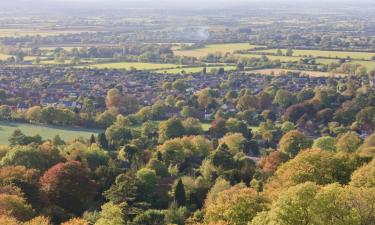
{"x": 68, "y": 185}
{"x": 237, "y": 205}
{"x": 348, "y": 142}
{"x": 171, "y": 128}
{"x": 293, "y": 142}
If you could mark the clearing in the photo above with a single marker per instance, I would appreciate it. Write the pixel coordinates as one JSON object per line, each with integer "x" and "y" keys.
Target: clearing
{"x": 47, "y": 132}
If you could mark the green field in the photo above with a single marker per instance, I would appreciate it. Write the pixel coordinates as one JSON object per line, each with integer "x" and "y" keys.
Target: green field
{"x": 326, "y": 54}
{"x": 271, "y": 57}
{"x": 326, "y": 61}
{"x": 137, "y": 65}
{"x": 47, "y": 132}
{"x": 215, "y": 48}
{"x": 195, "y": 69}
{"x": 34, "y": 32}
{"x": 370, "y": 65}
{"x": 4, "y": 56}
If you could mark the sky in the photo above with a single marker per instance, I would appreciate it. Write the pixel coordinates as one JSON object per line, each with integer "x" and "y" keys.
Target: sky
{"x": 49, "y": 5}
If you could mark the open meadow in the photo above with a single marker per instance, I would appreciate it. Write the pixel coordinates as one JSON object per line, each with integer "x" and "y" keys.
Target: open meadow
{"x": 47, "y": 132}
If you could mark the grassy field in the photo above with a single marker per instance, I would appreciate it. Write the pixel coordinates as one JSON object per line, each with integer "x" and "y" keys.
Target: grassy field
{"x": 195, "y": 69}
{"x": 277, "y": 72}
{"x": 327, "y": 54}
{"x": 326, "y": 61}
{"x": 35, "y": 32}
{"x": 47, "y": 132}
{"x": 137, "y": 65}
{"x": 271, "y": 57}
{"x": 215, "y": 48}
{"x": 368, "y": 64}
{"x": 4, "y": 56}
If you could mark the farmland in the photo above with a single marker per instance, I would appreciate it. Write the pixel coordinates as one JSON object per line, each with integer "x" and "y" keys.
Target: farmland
{"x": 271, "y": 57}
{"x": 47, "y": 132}
{"x": 325, "y": 54}
{"x": 278, "y": 72}
{"x": 36, "y": 32}
{"x": 215, "y": 48}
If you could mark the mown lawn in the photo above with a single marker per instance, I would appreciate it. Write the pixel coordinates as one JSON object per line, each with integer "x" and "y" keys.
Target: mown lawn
{"x": 47, "y": 132}
{"x": 215, "y": 48}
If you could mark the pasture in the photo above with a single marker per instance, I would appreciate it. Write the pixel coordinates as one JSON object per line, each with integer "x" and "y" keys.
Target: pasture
{"x": 215, "y": 48}
{"x": 271, "y": 57}
{"x": 278, "y": 72}
{"x": 37, "y": 32}
{"x": 47, "y": 132}
{"x": 326, "y": 54}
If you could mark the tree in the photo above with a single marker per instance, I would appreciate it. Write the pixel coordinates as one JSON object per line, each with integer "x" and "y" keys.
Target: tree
{"x": 204, "y": 98}
{"x": 284, "y": 98}
{"x": 68, "y": 185}
{"x": 218, "y": 128}
{"x": 179, "y": 85}
{"x": 102, "y": 139}
{"x": 292, "y": 142}
{"x": 311, "y": 204}
{"x": 105, "y": 119}
{"x": 175, "y": 215}
{"x": 192, "y": 126}
{"x": 118, "y": 135}
{"x": 170, "y": 128}
{"x": 326, "y": 143}
{"x": 111, "y": 214}
{"x": 27, "y": 156}
{"x": 270, "y": 163}
{"x": 147, "y": 181}
{"x": 364, "y": 176}
{"x": 15, "y": 206}
{"x": 237, "y": 126}
{"x": 348, "y": 142}
{"x": 247, "y": 102}
{"x": 314, "y": 165}
{"x": 34, "y": 114}
{"x": 122, "y": 103}
{"x": 5, "y": 112}
{"x": 41, "y": 220}
{"x": 289, "y": 52}
{"x": 237, "y": 205}
{"x": 179, "y": 193}
{"x": 184, "y": 151}
{"x": 8, "y": 220}
{"x": 149, "y": 217}
{"x": 366, "y": 117}
{"x": 76, "y": 221}
{"x": 124, "y": 190}
{"x": 235, "y": 142}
